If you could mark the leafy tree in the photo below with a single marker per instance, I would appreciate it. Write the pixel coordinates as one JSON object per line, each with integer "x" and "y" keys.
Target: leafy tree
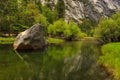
{"x": 56, "y": 29}
{"x": 29, "y": 14}
{"x": 36, "y": 2}
{"x": 16, "y": 28}
{"x": 87, "y": 26}
{"x": 60, "y": 9}
{"x": 68, "y": 31}
{"x": 8, "y": 10}
{"x": 51, "y": 15}
{"x": 39, "y": 5}
{"x": 76, "y": 32}
{"x": 108, "y": 31}
{"x": 32, "y": 15}
{"x": 116, "y": 16}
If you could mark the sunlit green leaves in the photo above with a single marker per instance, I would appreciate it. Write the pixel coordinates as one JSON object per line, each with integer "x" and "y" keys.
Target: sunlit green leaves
{"x": 108, "y": 30}
{"x": 69, "y": 31}
{"x": 51, "y": 15}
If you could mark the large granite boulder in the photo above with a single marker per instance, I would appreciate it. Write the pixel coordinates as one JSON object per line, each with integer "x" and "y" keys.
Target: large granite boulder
{"x": 32, "y": 38}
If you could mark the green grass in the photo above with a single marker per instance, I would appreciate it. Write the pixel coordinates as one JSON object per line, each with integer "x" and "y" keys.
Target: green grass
{"x": 111, "y": 58}
{"x": 9, "y": 40}
{"x": 54, "y": 40}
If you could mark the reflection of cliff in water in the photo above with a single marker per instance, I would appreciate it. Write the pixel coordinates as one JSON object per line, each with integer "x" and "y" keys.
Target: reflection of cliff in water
{"x": 84, "y": 66}
{"x": 69, "y": 61}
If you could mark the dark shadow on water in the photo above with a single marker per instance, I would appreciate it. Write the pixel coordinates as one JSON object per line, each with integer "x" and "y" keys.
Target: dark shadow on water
{"x": 67, "y": 61}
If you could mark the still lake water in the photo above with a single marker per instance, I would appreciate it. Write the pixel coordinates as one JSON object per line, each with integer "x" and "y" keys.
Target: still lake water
{"x": 66, "y": 61}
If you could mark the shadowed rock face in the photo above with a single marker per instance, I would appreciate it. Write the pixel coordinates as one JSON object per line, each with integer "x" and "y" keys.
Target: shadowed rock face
{"x": 32, "y": 38}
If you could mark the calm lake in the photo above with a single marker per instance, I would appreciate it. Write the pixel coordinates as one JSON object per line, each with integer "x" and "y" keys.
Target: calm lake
{"x": 66, "y": 61}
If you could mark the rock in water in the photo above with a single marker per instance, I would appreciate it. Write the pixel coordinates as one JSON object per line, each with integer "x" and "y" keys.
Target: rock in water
{"x": 32, "y": 38}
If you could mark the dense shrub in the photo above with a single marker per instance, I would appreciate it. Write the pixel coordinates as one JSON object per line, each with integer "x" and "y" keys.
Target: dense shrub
{"x": 68, "y": 31}
{"x": 16, "y": 28}
{"x": 8, "y": 9}
{"x": 32, "y": 15}
{"x": 51, "y": 15}
{"x": 87, "y": 26}
{"x": 108, "y": 30}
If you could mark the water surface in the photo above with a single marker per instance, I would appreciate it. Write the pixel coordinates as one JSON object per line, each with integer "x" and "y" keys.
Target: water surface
{"x": 66, "y": 61}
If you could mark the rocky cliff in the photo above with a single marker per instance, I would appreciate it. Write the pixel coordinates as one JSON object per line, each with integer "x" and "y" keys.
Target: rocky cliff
{"x": 92, "y": 9}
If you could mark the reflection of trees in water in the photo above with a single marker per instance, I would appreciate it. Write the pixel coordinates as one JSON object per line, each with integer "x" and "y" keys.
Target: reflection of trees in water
{"x": 83, "y": 66}
{"x": 71, "y": 62}
{"x": 50, "y": 64}
{"x": 68, "y": 61}
{"x": 55, "y": 60}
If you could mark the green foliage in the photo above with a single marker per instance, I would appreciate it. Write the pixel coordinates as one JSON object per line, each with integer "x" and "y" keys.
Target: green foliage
{"x": 7, "y": 14}
{"x": 51, "y": 15}
{"x": 60, "y": 8}
{"x": 68, "y": 31}
{"x": 15, "y": 15}
{"x": 74, "y": 31}
{"x": 18, "y": 15}
{"x": 41, "y": 19}
{"x": 87, "y": 26}
{"x": 56, "y": 28}
{"x": 28, "y": 16}
{"x": 17, "y": 28}
{"x": 116, "y": 16}
{"x": 111, "y": 58}
{"x": 108, "y": 30}
{"x": 32, "y": 15}
{"x": 8, "y": 7}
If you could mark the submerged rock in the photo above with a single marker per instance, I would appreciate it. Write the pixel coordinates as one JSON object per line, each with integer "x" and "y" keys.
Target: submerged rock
{"x": 32, "y": 38}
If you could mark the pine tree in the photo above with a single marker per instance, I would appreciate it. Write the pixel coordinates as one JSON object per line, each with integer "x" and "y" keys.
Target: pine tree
{"x": 60, "y": 9}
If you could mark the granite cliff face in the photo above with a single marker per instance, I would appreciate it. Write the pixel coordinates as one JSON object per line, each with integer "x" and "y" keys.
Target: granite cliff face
{"x": 93, "y": 9}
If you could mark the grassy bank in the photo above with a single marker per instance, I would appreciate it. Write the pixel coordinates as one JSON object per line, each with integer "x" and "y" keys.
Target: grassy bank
{"x": 111, "y": 58}
{"x": 11, "y": 40}
{"x": 54, "y": 40}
